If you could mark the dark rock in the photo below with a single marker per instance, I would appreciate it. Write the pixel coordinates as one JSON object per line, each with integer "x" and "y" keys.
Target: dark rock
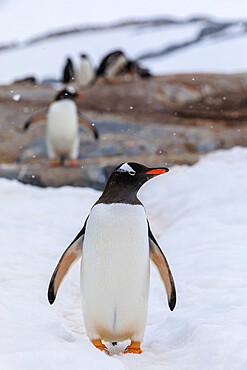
{"x": 195, "y": 114}
{"x": 26, "y": 80}
{"x": 171, "y": 94}
{"x": 205, "y": 147}
{"x": 44, "y": 176}
{"x": 32, "y": 150}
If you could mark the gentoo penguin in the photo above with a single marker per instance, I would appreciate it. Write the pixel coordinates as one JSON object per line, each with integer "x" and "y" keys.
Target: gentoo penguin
{"x": 68, "y": 72}
{"x": 112, "y": 65}
{"x": 117, "y": 64}
{"x": 62, "y": 132}
{"x": 115, "y": 244}
{"x": 134, "y": 68}
{"x": 86, "y": 73}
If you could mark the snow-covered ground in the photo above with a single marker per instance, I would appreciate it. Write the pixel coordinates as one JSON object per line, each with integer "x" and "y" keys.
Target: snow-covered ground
{"x": 199, "y": 216}
{"x": 22, "y": 20}
{"x": 46, "y": 59}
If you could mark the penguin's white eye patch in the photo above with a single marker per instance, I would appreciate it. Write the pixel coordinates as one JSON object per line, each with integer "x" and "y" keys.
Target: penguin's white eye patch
{"x": 126, "y": 168}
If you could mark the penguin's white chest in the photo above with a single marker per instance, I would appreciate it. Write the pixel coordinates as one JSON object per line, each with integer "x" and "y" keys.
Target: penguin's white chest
{"x": 62, "y": 126}
{"x": 115, "y": 272}
{"x": 115, "y": 68}
{"x": 86, "y": 73}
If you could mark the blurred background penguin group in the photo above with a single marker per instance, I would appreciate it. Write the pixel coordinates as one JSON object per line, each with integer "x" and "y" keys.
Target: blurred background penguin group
{"x": 84, "y": 76}
{"x": 114, "y": 67}
{"x": 62, "y": 116}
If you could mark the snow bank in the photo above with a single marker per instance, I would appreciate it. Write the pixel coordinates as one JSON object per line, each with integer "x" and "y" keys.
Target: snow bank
{"x": 199, "y": 216}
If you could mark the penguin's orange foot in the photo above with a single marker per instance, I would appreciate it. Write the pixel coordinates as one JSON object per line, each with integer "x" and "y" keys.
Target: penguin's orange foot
{"x": 98, "y": 344}
{"x": 54, "y": 162}
{"x": 134, "y": 347}
{"x": 73, "y": 163}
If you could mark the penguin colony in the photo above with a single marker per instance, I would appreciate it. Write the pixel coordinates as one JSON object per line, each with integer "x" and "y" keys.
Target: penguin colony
{"x": 113, "y": 66}
{"x": 62, "y": 127}
{"x": 84, "y": 75}
{"x": 63, "y": 118}
{"x": 115, "y": 246}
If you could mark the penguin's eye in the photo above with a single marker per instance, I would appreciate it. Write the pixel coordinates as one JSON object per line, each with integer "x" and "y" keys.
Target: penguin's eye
{"x": 132, "y": 173}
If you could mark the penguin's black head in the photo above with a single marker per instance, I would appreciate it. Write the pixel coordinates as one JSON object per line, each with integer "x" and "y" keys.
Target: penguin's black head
{"x": 68, "y": 93}
{"x": 84, "y": 56}
{"x": 125, "y": 181}
{"x": 133, "y": 175}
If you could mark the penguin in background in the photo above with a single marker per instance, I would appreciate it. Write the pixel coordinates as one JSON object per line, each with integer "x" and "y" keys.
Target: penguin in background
{"x": 134, "y": 68}
{"x": 117, "y": 64}
{"x": 86, "y": 73}
{"x": 115, "y": 246}
{"x": 68, "y": 72}
{"x": 62, "y": 127}
{"x": 112, "y": 65}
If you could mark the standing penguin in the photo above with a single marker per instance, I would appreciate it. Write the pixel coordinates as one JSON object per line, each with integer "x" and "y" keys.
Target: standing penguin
{"x": 68, "y": 72}
{"x": 62, "y": 133}
{"x": 115, "y": 244}
{"x": 86, "y": 73}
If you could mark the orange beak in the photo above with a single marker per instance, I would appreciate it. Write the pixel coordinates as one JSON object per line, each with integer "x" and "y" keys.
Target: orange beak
{"x": 80, "y": 95}
{"x": 157, "y": 171}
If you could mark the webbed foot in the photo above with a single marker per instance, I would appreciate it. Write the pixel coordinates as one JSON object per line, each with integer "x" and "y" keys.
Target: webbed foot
{"x": 134, "y": 347}
{"x": 98, "y": 344}
{"x": 73, "y": 163}
{"x": 54, "y": 162}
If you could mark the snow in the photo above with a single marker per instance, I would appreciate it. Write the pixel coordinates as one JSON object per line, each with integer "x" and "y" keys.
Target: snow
{"x": 33, "y": 17}
{"x": 16, "y": 97}
{"x": 47, "y": 58}
{"x": 21, "y": 20}
{"x": 47, "y": 63}
{"x": 199, "y": 216}
{"x": 219, "y": 56}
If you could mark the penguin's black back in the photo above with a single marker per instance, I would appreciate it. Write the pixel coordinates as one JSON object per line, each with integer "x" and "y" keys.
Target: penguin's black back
{"x": 134, "y": 67}
{"x": 107, "y": 60}
{"x": 68, "y": 73}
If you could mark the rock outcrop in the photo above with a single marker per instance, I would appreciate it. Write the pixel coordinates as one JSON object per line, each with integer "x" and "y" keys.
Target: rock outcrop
{"x": 166, "y": 119}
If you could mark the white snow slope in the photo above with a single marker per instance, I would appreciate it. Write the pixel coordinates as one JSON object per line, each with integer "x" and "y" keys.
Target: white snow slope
{"x": 199, "y": 216}
{"x": 20, "y": 19}
{"x": 24, "y": 19}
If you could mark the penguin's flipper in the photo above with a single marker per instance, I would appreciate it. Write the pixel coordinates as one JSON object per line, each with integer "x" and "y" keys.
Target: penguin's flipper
{"x": 89, "y": 125}
{"x": 69, "y": 257}
{"x": 38, "y": 117}
{"x": 161, "y": 263}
